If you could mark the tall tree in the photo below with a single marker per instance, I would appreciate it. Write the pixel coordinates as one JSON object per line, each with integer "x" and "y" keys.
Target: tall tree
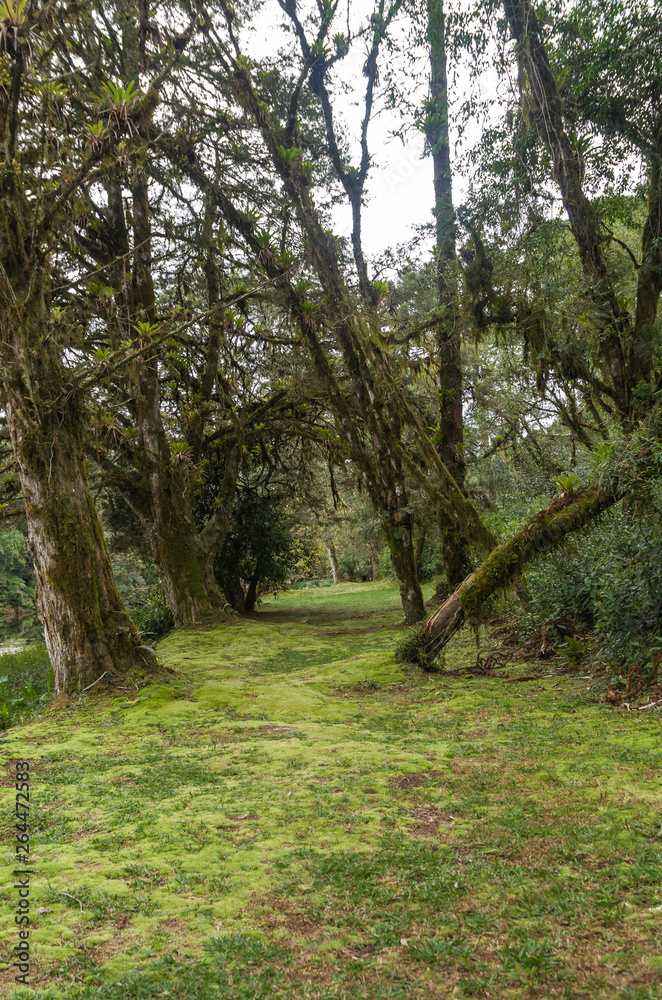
{"x": 619, "y": 365}
{"x": 50, "y": 151}
{"x": 372, "y": 413}
{"x": 448, "y": 326}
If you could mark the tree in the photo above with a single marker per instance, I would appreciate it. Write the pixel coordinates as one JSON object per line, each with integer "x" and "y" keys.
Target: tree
{"x": 374, "y": 418}
{"x": 448, "y": 325}
{"x": 51, "y": 151}
{"x": 620, "y": 371}
{"x": 258, "y": 548}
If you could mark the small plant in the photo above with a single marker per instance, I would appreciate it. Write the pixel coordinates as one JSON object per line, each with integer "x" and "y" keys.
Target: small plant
{"x": 145, "y": 330}
{"x": 341, "y": 45}
{"x": 308, "y": 311}
{"x": 290, "y": 156}
{"x": 95, "y": 136}
{"x": 120, "y": 99}
{"x": 435, "y": 949}
{"x": 265, "y": 253}
{"x": 26, "y": 685}
{"x": 566, "y": 484}
{"x": 153, "y": 619}
{"x": 573, "y": 650}
{"x": 54, "y": 96}
{"x": 14, "y": 26}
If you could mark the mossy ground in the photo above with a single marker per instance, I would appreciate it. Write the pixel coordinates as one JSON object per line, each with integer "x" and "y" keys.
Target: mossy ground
{"x": 294, "y": 815}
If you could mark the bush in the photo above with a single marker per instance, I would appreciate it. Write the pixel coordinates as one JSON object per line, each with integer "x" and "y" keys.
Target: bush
{"x": 607, "y": 581}
{"x": 259, "y": 548}
{"x": 153, "y": 619}
{"x": 26, "y": 683}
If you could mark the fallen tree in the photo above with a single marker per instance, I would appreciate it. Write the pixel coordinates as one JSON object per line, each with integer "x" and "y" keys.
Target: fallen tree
{"x": 547, "y": 530}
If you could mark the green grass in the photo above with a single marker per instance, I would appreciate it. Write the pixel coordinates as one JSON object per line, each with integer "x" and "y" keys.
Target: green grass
{"x": 296, "y": 815}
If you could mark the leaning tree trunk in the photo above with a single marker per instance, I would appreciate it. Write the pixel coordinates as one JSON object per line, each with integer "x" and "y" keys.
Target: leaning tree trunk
{"x": 333, "y": 562}
{"x": 546, "y": 531}
{"x": 88, "y": 632}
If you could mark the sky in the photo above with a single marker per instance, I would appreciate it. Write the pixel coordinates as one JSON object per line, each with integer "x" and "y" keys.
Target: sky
{"x": 400, "y": 193}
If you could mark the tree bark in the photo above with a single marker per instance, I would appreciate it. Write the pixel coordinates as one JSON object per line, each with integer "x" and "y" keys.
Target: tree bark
{"x": 403, "y": 559}
{"x": 251, "y": 594}
{"x": 649, "y": 279}
{"x": 163, "y": 500}
{"x": 87, "y": 630}
{"x": 333, "y": 562}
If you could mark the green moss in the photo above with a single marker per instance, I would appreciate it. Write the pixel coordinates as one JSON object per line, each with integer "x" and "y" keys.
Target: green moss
{"x": 314, "y": 815}
{"x": 568, "y": 513}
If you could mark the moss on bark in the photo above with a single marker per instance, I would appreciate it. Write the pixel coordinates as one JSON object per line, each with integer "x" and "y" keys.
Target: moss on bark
{"x": 546, "y": 531}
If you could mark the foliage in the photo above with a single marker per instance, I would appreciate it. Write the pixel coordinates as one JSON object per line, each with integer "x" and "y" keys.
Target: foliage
{"x": 26, "y": 683}
{"x": 152, "y": 617}
{"x": 17, "y": 606}
{"x": 16, "y": 577}
{"x": 608, "y": 583}
{"x": 259, "y": 547}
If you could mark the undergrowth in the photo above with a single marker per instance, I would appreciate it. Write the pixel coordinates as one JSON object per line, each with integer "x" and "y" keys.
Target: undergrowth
{"x": 26, "y": 683}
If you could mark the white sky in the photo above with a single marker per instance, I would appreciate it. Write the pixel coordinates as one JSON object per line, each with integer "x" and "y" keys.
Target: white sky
{"x": 399, "y": 186}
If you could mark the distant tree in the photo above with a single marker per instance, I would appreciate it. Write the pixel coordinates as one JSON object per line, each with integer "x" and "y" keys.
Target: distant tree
{"x": 259, "y": 547}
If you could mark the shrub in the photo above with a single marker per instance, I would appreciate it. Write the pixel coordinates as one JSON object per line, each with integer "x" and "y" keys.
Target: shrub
{"x": 26, "y": 683}
{"x": 607, "y": 581}
{"x": 153, "y": 619}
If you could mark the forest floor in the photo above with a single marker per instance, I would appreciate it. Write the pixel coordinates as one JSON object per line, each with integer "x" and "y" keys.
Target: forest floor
{"x": 296, "y": 816}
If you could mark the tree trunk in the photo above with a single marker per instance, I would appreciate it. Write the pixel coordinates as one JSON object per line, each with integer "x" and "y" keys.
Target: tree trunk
{"x": 189, "y": 586}
{"x": 184, "y": 558}
{"x": 546, "y": 531}
{"x": 251, "y": 594}
{"x": 455, "y": 552}
{"x": 333, "y": 562}
{"x": 86, "y": 628}
{"x": 374, "y": 563}
{"x": 404, "y": 563}
{"x": 236, "y": 595}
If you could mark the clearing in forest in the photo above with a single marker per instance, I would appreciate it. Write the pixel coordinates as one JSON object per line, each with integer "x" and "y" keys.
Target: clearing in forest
{"x": 294, "y": 815}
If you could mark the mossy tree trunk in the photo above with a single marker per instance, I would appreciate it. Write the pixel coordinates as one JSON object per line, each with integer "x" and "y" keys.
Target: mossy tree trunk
{"x": 627, "y": 347}
{"x": 369, "y": 420}
{"x": 87, "y": 630}
{"x": 455, "y": 551}
{"x": 543, "y": 533}
{"x": 403, "y": 559}
{"x": 333, "y": 562}
{"x": 164, "y": 497}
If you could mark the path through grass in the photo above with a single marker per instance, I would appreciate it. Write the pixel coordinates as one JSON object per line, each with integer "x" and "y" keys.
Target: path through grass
{"x": 296, "y": 816}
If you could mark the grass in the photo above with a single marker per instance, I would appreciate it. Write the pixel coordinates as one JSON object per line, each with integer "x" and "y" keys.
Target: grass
{"x": 295, "y": 815}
